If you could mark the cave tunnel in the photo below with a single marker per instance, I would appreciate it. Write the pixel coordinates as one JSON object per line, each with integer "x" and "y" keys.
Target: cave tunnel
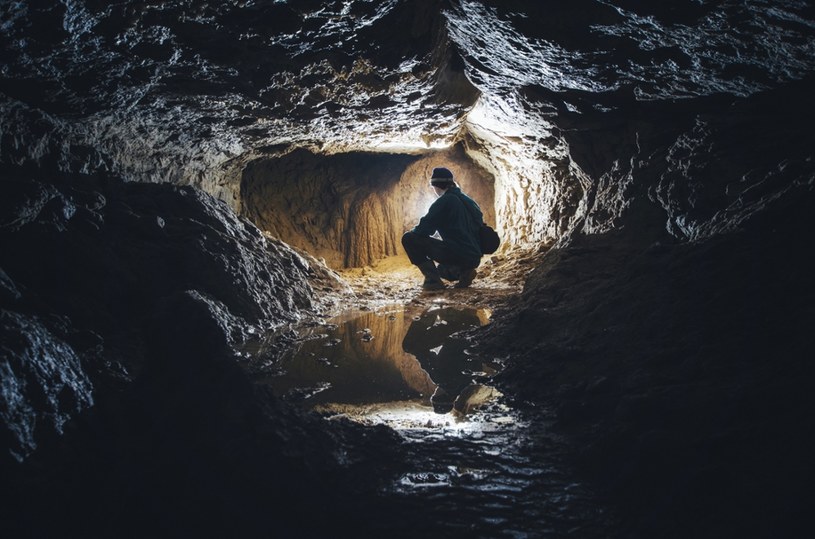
{"x": 351, "y": 209}
{"x": 208, "y": 325}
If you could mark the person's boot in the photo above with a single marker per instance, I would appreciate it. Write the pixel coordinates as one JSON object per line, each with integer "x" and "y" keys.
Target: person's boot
{"x": 442, "y": 401}
{"x": 432, "y": 280}
{"x": 449, "y": 273}
{"x": 466, "y": 278}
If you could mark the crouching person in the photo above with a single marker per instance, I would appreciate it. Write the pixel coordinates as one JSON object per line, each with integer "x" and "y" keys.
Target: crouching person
{"x": 457, "y": 218}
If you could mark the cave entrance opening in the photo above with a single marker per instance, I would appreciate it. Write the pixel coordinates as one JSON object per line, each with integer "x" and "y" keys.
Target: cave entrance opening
{"x": 350, "y": 210}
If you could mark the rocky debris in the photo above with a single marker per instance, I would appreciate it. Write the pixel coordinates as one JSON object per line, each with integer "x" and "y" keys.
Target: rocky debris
{"x": 473, "y": 396}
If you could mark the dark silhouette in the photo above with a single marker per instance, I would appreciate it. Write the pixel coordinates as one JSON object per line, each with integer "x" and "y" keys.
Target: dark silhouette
{"x": 457, "y": 219}
{"x": 431, "y": 338}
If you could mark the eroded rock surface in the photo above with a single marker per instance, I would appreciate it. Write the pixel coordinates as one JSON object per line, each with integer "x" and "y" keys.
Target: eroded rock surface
{"x": 193, "y": 92}
{"x": 86, "y": 265}
{"x": 124, "y": 306}
{"x": 43, "y": 384}
{"x": 653, "y": 160}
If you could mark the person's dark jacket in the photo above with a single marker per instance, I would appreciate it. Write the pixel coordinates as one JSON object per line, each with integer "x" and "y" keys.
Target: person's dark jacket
{"x": 456, "y": 224}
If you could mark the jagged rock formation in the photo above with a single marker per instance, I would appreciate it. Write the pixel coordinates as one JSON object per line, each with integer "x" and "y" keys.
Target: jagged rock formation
{"x": 127, "y": 303}
{"x": 88, "y": 263}
{"x": 664, "y": 150}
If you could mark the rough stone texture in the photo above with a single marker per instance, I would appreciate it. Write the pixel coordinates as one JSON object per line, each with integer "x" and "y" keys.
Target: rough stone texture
{"x": 86, "y": 262}
{"x": 682, "y": 372}
{"x": 227, "y": 79}
{"x": 109, "y": 239}
{"x": 191, "y": 92}
{"x": 190, "y": 446}
{"x": 124, "y": 308}
{"x": 663, "y": 148}
{"x": 673, "y": 342}
{"x": 550, "y": 72}
{"x": 43, "y": 383}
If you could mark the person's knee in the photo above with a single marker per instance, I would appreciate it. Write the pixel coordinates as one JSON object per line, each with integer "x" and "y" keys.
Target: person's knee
{"x": 408, "y": 239}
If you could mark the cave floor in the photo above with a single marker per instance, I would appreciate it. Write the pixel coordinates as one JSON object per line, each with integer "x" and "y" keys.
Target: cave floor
{"x": 469, "y": 462}
{"x": 394, "y": 280}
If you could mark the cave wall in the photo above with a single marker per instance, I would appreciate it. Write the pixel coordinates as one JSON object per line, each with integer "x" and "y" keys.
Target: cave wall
{"x": 87, "y": 264}
{"x": 186, "y": 93}
{"x": 665, "y": 148}
{"x": 351, "y": 209}
{"x": 668, "y": 328}
{"x": 124, "y": 311}
{"x": 538, "y": 191}
{"x": 167, "y": 93}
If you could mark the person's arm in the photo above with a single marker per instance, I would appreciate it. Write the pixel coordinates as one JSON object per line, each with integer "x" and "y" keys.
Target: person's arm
{"x": 430, "y": 222}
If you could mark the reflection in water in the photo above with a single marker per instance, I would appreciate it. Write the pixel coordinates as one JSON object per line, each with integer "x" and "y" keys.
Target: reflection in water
{"x": 431, "y": 338}
{"x": 366, "y": 359}
{"x": 486, "y": 474}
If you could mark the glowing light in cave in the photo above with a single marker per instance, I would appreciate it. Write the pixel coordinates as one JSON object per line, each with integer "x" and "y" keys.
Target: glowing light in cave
{"x": 423, "y": 203}
{"x": 410, "y": 416}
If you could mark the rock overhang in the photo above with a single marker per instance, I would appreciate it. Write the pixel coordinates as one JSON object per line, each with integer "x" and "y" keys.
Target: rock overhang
{"x": 191, "y": 92}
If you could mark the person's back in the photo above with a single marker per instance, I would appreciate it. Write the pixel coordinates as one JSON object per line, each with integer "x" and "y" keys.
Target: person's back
{"x": 457, "y": 218}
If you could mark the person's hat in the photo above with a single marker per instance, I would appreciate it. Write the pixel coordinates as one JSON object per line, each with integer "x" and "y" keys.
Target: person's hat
{"x": 441, "y": 176}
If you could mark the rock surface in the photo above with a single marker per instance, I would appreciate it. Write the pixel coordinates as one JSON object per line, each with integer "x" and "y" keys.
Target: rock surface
{"x": 43, "y": 384}
{"x": 190, "y": 92}
{"x": 654, "y": 160}
{"x": 87, "y": 264}
{"x": 124, "y": 310}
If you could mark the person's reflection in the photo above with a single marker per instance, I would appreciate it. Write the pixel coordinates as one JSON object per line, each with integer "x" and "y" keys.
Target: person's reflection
{"x": 442, "y": 356}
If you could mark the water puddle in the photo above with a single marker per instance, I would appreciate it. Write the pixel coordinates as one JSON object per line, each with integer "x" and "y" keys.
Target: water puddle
{"x": 394, "y": 366}
{"x": 470, "y": 464}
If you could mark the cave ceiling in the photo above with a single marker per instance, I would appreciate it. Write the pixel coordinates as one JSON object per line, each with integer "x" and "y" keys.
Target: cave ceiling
{"x": 176, "y": 90}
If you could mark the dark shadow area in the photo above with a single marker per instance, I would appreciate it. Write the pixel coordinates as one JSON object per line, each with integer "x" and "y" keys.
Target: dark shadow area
{"x": 682, "y": 373}
{"x": 126, "y": 411}
{"x": 432, "y": 339}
